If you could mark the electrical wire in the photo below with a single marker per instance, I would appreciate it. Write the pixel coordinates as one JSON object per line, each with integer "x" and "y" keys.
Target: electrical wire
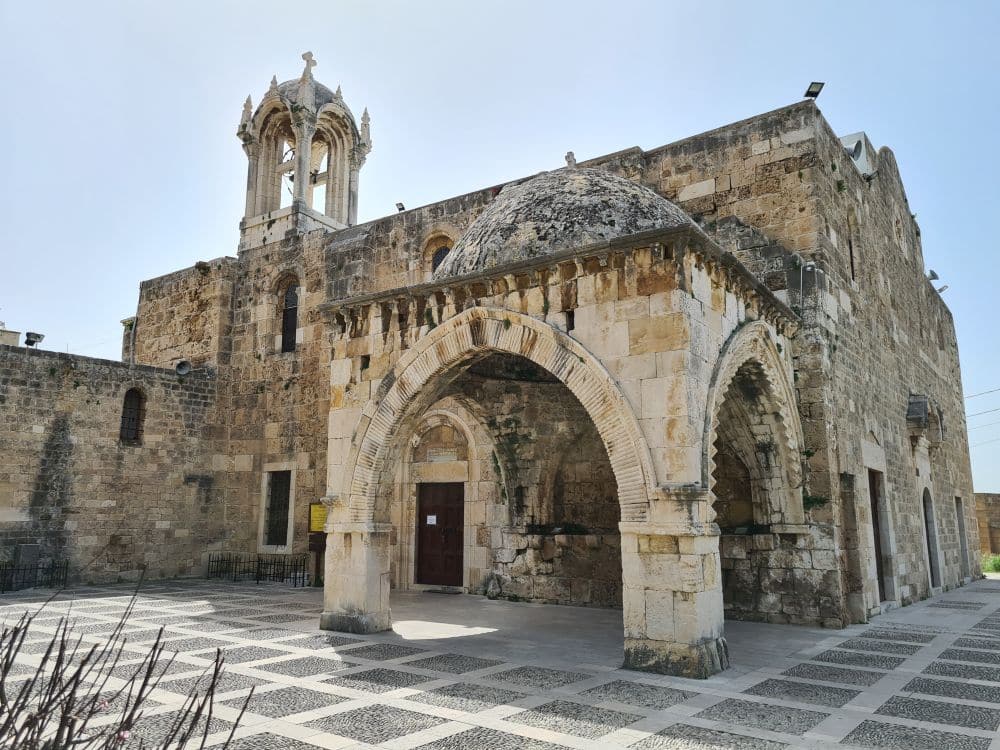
{"x": 980, "y": 426}
{"x": 988, "y": 411}
{"x": 983, "y": 393}
{"x": 985, "y": 442}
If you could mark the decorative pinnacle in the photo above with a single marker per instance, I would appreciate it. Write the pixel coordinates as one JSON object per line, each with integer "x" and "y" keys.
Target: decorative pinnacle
{"x": 310, "y": 64}
{"x": 339, "y": 94}
{"x": 247, "y": 112}
{"x": 365, "y": 119}
{"x": 274, "y": 85}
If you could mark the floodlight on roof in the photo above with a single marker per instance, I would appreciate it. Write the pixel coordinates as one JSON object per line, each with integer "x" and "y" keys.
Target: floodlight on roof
{"x": 814, "y": 88}
{"x": 400, "y": 207}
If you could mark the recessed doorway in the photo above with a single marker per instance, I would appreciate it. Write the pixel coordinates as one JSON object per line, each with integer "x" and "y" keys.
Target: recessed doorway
{"x": 440, "y": 529}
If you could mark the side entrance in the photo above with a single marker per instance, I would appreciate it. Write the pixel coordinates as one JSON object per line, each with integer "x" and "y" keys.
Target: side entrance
{"x": 440, "y": 524}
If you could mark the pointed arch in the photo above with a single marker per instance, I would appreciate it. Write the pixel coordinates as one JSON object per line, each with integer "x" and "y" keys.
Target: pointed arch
{"x": 750, "y": 361}
{"x": 477, "y": 331}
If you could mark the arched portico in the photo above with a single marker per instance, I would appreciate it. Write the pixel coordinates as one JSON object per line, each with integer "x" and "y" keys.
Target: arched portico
{"x": 668, "y": 570}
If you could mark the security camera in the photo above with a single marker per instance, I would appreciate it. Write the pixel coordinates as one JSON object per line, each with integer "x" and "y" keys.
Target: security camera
{"x": 30, "y": 338}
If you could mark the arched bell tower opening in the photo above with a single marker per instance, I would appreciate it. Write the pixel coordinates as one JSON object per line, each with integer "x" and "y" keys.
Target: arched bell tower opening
{"x": 305, "y": 152}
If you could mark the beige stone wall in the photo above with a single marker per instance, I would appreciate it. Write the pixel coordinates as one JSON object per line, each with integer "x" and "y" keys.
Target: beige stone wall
{"x": 183, "y": 315}
{"x": 988, "y": 519}
{"x": 777, "y": 190}
{"x": 70, "y": 485}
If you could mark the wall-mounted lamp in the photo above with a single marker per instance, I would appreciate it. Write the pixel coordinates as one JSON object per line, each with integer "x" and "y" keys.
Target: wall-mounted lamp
{"x": 932, "y": 275}
{"x": 31, "y": 338}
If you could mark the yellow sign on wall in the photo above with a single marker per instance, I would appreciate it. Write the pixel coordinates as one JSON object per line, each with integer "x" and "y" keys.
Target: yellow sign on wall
{"x": 317, "y": 517}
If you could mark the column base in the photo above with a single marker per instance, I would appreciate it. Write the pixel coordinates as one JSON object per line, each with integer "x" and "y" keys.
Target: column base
{"x": 357, "y": 623}
{"x": 700, "y": 660}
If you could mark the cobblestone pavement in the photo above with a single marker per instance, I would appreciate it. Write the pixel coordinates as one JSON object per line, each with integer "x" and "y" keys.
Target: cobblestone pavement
{"x": 463, "y": 672}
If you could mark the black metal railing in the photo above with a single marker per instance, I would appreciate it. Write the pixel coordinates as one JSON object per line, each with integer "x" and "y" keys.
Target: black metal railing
{"x": 238, "y": 566}
{"x": 50, "y": 575}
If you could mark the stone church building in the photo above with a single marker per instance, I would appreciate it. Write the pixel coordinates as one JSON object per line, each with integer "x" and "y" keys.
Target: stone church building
{"x": 702, "y": 382}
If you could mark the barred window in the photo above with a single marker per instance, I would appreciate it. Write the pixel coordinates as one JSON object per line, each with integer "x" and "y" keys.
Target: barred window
{"x": 133, "y": 415}
{"x": 276, "y": 513}
{"x": 289, "y": 318}
{"x": 439, "y": 255}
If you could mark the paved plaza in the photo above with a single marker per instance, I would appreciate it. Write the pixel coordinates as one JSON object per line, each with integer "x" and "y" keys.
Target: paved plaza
{"x": 465, "y": 672}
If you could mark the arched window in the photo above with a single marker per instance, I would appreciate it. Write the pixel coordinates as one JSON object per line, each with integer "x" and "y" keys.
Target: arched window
{"x": 439, "y": 255}
{"x": 133, "y": 415}
{"x": 289, "y": 317}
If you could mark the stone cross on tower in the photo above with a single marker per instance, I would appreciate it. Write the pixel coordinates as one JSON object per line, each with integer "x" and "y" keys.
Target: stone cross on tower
{"x": 310, "y": 64}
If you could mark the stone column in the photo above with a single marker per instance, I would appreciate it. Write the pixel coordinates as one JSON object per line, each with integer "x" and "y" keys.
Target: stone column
{"x": 356, "y": 585}
{"x": 672, "y": 590}
{"x": 352, "y": 209}
{"x": 304, "y": 131}
{"x": 253, "y": 157}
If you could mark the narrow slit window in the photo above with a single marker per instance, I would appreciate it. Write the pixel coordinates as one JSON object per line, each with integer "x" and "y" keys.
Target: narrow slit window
{"x": 289, "y": 318}
{"x": 276, "y": 514}
{"x": 133, "y": 416}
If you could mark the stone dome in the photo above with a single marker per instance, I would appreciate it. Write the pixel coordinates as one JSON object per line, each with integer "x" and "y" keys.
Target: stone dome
{"x": 556, "y": 211}
{"x": 289, "y": 91}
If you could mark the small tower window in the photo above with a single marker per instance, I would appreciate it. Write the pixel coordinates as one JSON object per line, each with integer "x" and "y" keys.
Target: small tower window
{"x": 439, "y": 255}
{"x": 289, "y": 317}
{"x": 133, "y": 415}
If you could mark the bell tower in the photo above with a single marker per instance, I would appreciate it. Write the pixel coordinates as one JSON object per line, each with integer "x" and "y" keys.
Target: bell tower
{"x": 305, "y": 151}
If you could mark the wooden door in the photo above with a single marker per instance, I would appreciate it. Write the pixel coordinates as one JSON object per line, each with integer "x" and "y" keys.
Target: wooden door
{"x": 440, "y": 522}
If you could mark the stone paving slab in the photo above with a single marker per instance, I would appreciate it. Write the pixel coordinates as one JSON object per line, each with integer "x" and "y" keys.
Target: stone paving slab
{"x": 940, "y": 712}
{"x": 378, "y": 680}
{"x": 687, "y": 737}
{"x": 801, "y": 692}
{"x": 763, "y": 716}
{"x": 872, "y": 661}
{"x": 276, "y": 704}
{"x": 965, "y": 671}
{"x": 638, "y": 694}
{"x": 577, "y": 719}
{"x": 823, "y": 673}
{"x": 538, "y": 677}
{"x": 482, "y": 738}
{"x": 376, "y": 723}
{"x": 876, "y": 734}
{"x": 883, "y": 646}
{"x": 468, "y": 697}
{"x": 953, "y": 689}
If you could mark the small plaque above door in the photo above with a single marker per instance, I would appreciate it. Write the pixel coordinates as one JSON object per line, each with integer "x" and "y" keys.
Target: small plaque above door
{"x": 437, "y": 455}
{"x": 432, "y": 520}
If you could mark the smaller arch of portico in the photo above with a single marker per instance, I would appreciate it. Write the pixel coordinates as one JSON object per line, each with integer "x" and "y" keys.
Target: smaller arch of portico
{"x": 750, "y": 371}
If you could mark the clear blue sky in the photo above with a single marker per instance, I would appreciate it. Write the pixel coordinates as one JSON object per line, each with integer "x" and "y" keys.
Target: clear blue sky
{"x": 121, "y": 161}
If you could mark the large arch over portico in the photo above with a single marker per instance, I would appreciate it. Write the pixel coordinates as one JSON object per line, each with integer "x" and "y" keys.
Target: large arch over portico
{"x": 669, "y": 623}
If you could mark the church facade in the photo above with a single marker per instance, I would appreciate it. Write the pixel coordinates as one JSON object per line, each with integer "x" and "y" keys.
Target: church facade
{"x": 706, "y": 381}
